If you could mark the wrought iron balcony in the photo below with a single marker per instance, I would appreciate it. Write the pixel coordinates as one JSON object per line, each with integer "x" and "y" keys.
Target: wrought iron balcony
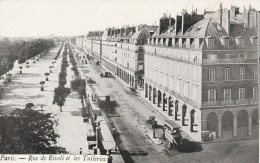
{"x": 229, "y": 61}
{"x": 230, "y": 102}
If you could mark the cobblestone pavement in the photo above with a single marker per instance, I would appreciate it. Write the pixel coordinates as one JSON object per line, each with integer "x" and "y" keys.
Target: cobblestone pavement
{"x": 129, "y": 118}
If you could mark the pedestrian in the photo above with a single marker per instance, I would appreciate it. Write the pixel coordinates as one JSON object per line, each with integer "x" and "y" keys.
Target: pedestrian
{"x": 80, "y": 151}
{"x": 110, "y": 159}
{"x": 2, "y": 89}
{"x": 95, "y": 116}
{"x": 114, "y": 133}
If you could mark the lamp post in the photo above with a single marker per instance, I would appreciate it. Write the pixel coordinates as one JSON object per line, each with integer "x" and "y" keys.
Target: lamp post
{"x": 98, "y": 129}
{"x": 50, "y": 67}
{"x": 21, "y": 67}
{"x": 42, "y": 84}
{"x": 46, "y": 74}
{"x": 42, "y": 111}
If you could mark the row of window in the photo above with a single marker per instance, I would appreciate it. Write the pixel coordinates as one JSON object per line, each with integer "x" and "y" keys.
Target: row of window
{"x": 212, "y": 94}
{"x": 231, "y": 56}
{"x": 187, "y": 42}
{"x": 227, "y": 73}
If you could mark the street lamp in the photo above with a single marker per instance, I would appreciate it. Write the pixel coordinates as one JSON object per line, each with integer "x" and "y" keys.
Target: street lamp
{"x": 98, "y": 129}
{"x": 50, "y": 67}
{"x": 46, "y": 74}
{"x": 41, "y": 111}
{"x": 21, "y": 67}
{"x": 42, "y": 84}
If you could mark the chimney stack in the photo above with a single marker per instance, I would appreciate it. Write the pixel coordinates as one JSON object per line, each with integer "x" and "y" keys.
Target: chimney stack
{"x": 221, "y": 14}
{"x": 248, "y": 18}
{"x": 228, "y": 22}
{"x": 178, "y": 23}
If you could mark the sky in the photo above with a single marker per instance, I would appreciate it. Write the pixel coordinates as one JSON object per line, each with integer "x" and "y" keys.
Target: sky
{"x": 76, "y": 17}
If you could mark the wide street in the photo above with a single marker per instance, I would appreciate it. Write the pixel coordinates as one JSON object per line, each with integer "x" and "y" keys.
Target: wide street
{"x": 129, "y": 118}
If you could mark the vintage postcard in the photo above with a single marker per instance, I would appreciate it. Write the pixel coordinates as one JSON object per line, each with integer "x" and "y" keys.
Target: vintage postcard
{"x": 134, "y": 81}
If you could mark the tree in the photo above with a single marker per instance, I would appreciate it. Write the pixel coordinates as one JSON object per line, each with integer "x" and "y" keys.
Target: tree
{"x": 28, "y": 132}
{"x": 6, "y": 40}
{"x": 60, "y": 94}
{"x": 79, "y": 85}
{"x": 29, "y": 105}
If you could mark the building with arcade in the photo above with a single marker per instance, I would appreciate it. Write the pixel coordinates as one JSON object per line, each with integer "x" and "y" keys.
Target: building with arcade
{"x": 121, "y": 51}
{"x": 201, "y": 71}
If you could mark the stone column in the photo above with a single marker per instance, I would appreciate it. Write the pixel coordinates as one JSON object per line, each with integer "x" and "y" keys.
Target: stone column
{"x": 169, "y": 107}
{"x": 157, "y": 99}
{"x": 249, "y": 125}
{"x": 219, "y": 127}
{"x": 153, "y": 97}
{"x": 235, "y": 126}
{"x": 134, "y": 83}
{"x": 168, "y": 103}
{"x": 144, "y": 90}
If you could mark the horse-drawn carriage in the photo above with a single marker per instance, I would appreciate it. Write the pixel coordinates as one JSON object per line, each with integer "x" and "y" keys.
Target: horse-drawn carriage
{"x": 173, "y": 134}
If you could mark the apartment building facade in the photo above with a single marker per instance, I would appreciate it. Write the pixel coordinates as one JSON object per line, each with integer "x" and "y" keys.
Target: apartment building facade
{"x": 121, "y": 51}
{"x": 201, "y": 72}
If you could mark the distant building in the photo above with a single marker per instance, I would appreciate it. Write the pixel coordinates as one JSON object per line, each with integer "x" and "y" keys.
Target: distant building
{"x": 121, "y": 50}
{"x": 73, "y": 40}
{"x": 79, "y": 41}
{"x": 201, "y": 72}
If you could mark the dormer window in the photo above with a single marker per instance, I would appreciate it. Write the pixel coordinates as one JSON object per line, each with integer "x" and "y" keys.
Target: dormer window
{"x": 210, "y": 42}
{"x": 176, "y": 41}
{"x": 253, "y": 40}
{"x": 240, "y": 41}
{"x": 158, "y": 41}
{"x": 180, "y": 42}
{"x": 225, "y": 41}
{"x": 164, "y": 41}
{"x": 191, "y": 41}
{"x": 183, "y": 42}
{"x": 169, "y": 41}
{"x": 198, "y": 42}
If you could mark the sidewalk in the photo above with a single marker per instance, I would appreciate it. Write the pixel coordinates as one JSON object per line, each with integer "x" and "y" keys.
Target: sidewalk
{"x": 107, "y": 138}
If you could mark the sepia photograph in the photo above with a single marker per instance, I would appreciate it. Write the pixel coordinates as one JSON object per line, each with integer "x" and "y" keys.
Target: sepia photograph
{"x": 129, "y": 81}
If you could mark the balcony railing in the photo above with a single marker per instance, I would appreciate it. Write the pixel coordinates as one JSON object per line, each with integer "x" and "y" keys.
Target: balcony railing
{"x": 230, "y": 102}
{"x": 226, "y": 61}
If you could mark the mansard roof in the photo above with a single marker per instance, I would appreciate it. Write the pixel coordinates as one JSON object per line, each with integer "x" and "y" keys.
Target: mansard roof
{"x": 143, "y": 34}
{"x": 210, "y": 28}
{"x": 170, "y": 32}
{"x": 156, "y": 34}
